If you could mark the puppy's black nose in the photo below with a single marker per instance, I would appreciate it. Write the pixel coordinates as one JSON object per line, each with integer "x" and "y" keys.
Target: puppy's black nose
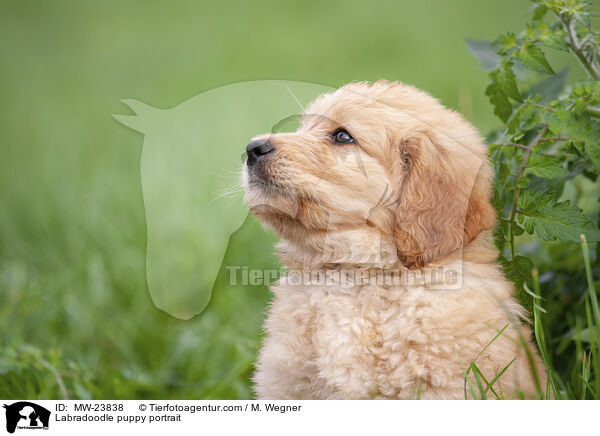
{"x": 258, "y": 148}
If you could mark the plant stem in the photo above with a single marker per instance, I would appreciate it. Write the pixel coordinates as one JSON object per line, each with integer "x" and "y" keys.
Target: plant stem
{"x": 594, "y": 336}
{"x": 573, "y": 43}
{"x": 598, "y": 247}
{"x": 515, "y": 144}
{"x": 511, "y": 220}
{"x": 541, "y": 106}
{"x": 593, "y": 111}
{"x": 56, "y": 374}
{"x": 539, "y": 333}
{"x": 590, "y": 280}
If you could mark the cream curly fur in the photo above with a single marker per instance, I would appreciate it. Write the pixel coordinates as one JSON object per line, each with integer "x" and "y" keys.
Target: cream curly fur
{"x": 410, "y": 195}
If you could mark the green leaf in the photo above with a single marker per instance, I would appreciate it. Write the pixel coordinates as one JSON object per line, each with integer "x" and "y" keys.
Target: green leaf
{"x": 575, "y": 148}
{"x": 583, "y": 128}
{"x": 583, "y": 17}
{"x": 546, "y": 167}
{"x": 555, "y": 39}
{"x": 517, "y": 230}
{"x": 539, "y": 12}
{"x": 592, "y": 149}
{"x": 554, "y": 221}
{"x": 524, "y": 118}
{"x": 567, "y": 122}
{"x": 518, "y": 269}
{"x": 503, "y": 171}
{"x": 533, "y": 58}
{"x": 502, "y": 106}
{"x": 505, "y": 43}
{"x": 557, "y": 121}
{"x": 508, "y": 151}
{"x": 506, "y": 80}
{"x": 485, "y": 53}
{"x": 579, "y": 127}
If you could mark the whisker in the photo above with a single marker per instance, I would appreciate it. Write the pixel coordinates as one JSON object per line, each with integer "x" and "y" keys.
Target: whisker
{"x": 229, "y": 192}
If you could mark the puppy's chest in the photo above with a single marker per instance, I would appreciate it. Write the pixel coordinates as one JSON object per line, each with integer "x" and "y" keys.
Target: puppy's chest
{"x": 360, "y": 311}
{"x": 369, "y": 326}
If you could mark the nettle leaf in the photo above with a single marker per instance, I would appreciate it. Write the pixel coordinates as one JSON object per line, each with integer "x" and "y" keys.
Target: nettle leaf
{"x": 502, "y": 106}
{"x": 518, "y": 269}
{"x": 592, "y": 149}
{"x": 517, "y": 230}
{"x": 503, "y": 172}
{"x": 554, "y": 221}
{"x": 553, "y": 38}
{"x": 579, "y": 127}
{"x": 505, "y": 43}
{"x": 524, "y": 118}
{"x": 552, "y": 186}
{"x": 575, "y": 148}
{"x": 505, "y": 78}
{"x": 539, "y": 12}
{"x": 583, "y": 17}
{"x": 562, "y": 121}
{"x": 533, "y": 58}
{"x": 589, "y": 89}
{"x": 546, "y": 167}
{"x": 508, "y": 152}
{"x": 583, "y": 128}
{"x": 579, "y": 107}
{"x": 557, "y": 121}
{"x": 485, "y": 53}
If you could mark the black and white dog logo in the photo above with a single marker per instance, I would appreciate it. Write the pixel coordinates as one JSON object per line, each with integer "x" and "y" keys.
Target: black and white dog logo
{"x": 26, "y": 415}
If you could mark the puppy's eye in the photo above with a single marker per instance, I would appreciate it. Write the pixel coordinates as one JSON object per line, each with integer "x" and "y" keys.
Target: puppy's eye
{"x": 341, "y": 136}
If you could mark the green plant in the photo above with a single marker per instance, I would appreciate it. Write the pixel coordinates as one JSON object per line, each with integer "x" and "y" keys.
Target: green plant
{"x": 546, "y": 157}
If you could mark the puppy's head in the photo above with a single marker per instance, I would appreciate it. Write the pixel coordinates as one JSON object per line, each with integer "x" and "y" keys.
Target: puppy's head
{"x": 382, "y": 157}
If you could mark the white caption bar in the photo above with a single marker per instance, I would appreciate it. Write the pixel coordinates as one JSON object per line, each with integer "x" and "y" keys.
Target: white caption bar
{"x": 154, "y": 417}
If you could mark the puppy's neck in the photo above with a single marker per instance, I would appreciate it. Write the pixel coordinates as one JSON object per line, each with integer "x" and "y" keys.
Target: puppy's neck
{"x": 368, "y": 248}
{"x": 364, "y": 248}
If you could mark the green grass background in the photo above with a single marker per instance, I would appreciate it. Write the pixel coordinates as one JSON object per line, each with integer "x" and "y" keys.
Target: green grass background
{"x": 76, "y": 318}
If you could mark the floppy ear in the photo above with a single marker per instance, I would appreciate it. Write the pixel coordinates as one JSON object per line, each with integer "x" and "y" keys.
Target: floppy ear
{"x": 444, "y": 200}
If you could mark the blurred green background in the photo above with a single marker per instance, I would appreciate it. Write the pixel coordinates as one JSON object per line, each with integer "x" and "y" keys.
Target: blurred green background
{"x": 76, "y": 318}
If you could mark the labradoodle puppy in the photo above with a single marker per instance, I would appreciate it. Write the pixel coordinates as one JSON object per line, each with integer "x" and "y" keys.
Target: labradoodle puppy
{"x": 382, "y": 202}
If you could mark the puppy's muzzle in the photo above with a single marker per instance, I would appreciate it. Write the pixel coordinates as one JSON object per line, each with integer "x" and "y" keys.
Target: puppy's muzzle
{"x": 258, "y": 149}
